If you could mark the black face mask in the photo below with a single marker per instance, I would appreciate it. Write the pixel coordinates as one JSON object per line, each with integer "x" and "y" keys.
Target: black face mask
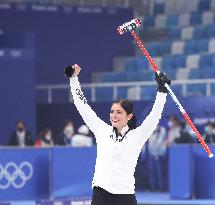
{"x": 20, "y": 129}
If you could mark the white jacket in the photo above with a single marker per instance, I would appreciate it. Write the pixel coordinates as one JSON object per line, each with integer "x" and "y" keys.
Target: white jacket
{"x": 80, "y": 140}
{"x": 116, "y": 161}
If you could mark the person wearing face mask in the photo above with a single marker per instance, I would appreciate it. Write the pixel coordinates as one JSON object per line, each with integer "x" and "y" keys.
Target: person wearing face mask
{"x": 207, "y": 129}
{"x": 82, "y": 138}
{"x": 21, "y": 137}
{"x": 187, "y": 135}
{"x": 45, "y": 139}
{"x": 66, "y": 137}
{"x": 118, "y": 144}
{"x": 209, "y": 133}
{"x": 174, "y": 130}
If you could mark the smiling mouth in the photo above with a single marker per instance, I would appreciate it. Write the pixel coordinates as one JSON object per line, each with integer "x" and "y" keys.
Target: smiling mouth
{"x": 115, "y": 121}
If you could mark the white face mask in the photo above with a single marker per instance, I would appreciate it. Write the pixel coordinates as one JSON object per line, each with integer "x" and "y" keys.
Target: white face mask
{"x": 48, "y": 137}
{"x": 69, "y": 131}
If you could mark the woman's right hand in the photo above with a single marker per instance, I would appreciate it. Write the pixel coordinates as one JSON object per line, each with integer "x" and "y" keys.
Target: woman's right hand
{"x": 72, "y": 70}
{"x": 76, "y": 69}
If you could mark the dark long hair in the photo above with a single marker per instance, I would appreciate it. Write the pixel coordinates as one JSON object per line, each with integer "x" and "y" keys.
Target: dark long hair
{"x": 128, "y": 107}
{"x": 43, "y": 133}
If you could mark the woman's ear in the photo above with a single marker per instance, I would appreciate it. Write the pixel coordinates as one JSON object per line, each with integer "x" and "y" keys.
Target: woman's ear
{"x": 130, "y": 116}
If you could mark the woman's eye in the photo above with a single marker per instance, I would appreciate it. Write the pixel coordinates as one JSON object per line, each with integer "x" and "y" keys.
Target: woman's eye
{"x": 117, "y": 112}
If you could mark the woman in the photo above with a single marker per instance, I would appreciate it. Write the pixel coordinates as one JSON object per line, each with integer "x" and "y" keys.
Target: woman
{"x": 21, "y": 136}
{"x": 46, "y": 139}
{"x": 118, "y": 145}
{"x": 65, "y": 138}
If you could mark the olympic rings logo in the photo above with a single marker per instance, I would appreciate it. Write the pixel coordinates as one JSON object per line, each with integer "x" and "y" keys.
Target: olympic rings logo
{"x": 16, "y": 176}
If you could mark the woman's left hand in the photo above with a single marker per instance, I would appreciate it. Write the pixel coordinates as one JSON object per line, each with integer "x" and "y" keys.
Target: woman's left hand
{"x": 162, "y": 79}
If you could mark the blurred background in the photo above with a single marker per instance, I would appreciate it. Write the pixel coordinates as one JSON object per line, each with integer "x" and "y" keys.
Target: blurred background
{"x": 47, "y": 154}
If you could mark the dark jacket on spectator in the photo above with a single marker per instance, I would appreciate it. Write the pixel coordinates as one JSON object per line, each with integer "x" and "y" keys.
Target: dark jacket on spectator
{"x": 13, "y": 141}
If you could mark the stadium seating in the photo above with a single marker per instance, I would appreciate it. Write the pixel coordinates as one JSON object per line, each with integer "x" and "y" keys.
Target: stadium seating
{"x": 203, "y": 5}
{"x": 183, "y": 20}
{"x": 195, "y": 74}
{"x": 177, "y": 89}
{"x": 104, "y": 94}
{"x": 196, "y": 90}
{"x": 159, "y": 8}
{"x": 177, "y": 47}
{"x": 172, "y": 21}
{"x": 147, "y": 92}
{"x": 179, "y": 61}
{"x": 122, "y": 92}
{"x": 168, "y": 7}
{"x": 186, "y": 33}
{"x": 192, "y": 46}
{"x": 185, "y": 49}
{"x": 137, "y": 68}
{"x": 199, "y": 32}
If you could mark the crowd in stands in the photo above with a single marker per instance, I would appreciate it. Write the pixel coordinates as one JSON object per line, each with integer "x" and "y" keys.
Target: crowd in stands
{"x": 177, "y": 132}
{"x": 21, "y": 137}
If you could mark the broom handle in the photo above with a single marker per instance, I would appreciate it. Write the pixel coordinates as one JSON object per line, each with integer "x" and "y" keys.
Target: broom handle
{"x": 185, "y": 115}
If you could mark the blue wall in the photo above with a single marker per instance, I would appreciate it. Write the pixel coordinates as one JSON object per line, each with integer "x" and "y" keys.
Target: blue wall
{"x": 17, "y": 88}
{"x": 67, "y": 35}
{"x": 31, "y": 174}
{"x": 191, "y": 172}
{"x": 24, "y": 174}
{"x": 74, "y": 178}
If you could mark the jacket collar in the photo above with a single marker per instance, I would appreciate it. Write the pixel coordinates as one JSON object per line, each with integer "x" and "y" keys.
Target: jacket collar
{"x": 124, "y": 130}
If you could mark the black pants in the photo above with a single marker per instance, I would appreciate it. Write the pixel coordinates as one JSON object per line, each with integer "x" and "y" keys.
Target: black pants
{"x": 103, "y": 197}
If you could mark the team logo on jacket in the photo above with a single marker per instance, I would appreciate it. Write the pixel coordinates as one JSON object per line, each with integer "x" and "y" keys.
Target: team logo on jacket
{"x": 81, "y": 95}
{"x": 116, "y": 138}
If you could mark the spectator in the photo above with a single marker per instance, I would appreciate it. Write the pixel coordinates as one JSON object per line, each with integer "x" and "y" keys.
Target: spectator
{"x": 187, "y": 135}
{"x": 207, "y": 129}
{"x": 45, "y": 139}
{"x": 157, "y": 156}
{"x": 174, "y": 131}
{"x": 209, "y": 133}
{"x": 21, "y": 137}
{"x": 82, "y": 139}
{"x": 66, "y": 137}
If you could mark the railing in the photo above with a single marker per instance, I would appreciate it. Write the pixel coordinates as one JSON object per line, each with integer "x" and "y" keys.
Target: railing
{"x": 93, "y": 86}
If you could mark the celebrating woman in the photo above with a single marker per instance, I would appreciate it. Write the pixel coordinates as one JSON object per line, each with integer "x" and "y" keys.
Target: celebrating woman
{"x": 118, "y": 144}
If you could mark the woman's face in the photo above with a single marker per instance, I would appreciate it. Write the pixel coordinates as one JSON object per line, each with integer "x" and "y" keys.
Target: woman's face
{"x": 20, "y": 126}
{"x": 118, "y": 116}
